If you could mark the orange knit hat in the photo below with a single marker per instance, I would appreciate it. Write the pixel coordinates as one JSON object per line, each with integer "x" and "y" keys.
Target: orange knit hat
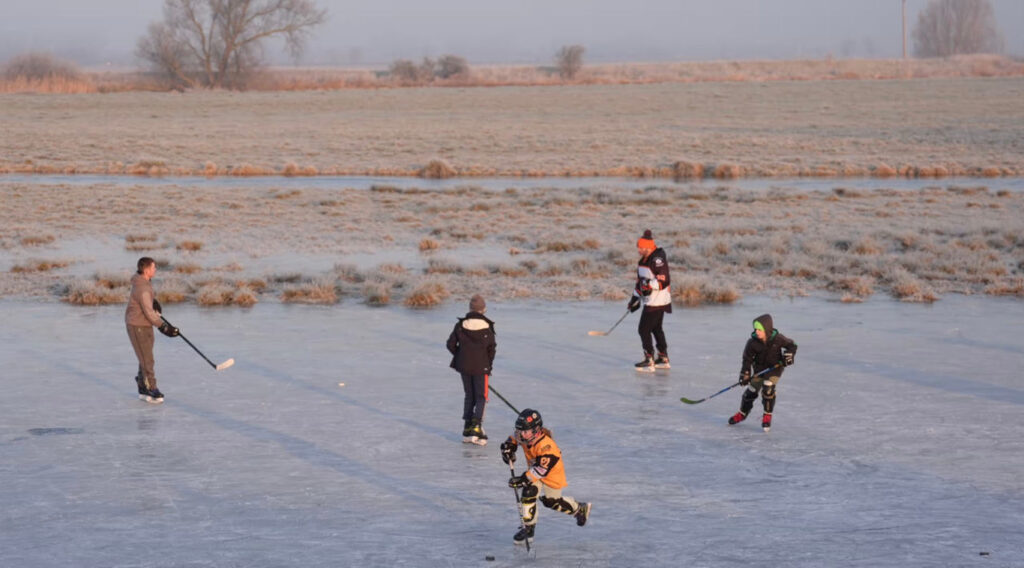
{"x": 646, "y": 241}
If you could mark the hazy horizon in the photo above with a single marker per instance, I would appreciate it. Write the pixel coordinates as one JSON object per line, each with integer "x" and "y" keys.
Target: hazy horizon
{"x": 364, "y": 32}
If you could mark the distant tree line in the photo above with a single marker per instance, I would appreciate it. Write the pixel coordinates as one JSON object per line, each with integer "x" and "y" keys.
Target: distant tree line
{"x": 956, "y": 27}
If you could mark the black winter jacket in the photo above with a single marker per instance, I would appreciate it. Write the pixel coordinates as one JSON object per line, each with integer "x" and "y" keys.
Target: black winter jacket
{"x": 472, "y": 345}
{"x": 765, "y": 354}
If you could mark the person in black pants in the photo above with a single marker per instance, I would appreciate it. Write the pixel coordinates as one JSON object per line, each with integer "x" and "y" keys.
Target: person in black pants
{"x": 472, "y": 346}
{"x": 652, "y": 292}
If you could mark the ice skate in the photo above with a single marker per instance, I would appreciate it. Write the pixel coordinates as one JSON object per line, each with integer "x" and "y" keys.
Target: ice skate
{"x": 645, "y": 366}
{"x": 154, "y": 396}
{"x": 143, "y": 391}
{"x": 467, "y": 433}
{"x": 477, "y": 435}
{"x": 524, "y": 536}
{"x": 662, "y": 362}
{"x": 582, "y": 514}
{"x": 766, "y": 422}
{"x": 738, "y": 417}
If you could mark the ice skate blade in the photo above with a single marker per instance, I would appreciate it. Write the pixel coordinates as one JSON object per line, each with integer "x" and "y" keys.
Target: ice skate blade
{"x": 469, "y": 439}
{"x": 645, "y": 369}
{"x": 523, "y": 542}
{"x": 479, "y": 442}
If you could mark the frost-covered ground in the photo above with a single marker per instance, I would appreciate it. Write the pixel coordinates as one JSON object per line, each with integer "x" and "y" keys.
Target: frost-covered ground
{"x": 897, "y": 439}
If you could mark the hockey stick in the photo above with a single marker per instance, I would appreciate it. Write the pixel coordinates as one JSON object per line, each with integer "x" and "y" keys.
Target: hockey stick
{"x": 613, "y": 327}
{"x": 503, "y": 399}
{"x": 732, "y": 386}
{"x": 519, "y": 505}
{"x": 220, "y": 367}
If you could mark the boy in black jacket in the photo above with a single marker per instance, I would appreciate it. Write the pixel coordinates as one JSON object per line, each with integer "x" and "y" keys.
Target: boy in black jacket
{"x": 766, "y": 349}
{"x": 472, "y": 346}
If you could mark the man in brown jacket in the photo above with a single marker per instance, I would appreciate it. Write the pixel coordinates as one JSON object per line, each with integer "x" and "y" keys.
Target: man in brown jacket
{"x": 141, "y": 316}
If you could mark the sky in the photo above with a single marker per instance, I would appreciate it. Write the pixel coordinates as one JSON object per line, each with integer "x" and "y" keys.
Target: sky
{"x": 376, "y": 32}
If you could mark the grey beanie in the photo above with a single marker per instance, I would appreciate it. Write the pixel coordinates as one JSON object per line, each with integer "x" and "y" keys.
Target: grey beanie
{"x": 477, "y": 303}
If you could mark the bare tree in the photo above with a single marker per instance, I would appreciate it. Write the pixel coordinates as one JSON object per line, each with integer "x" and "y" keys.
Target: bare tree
{"x": 449, "y": 66}
{"x": 953, "y": 27}
{"x": 569, "y": 60}
{"x": 218, "y": 43}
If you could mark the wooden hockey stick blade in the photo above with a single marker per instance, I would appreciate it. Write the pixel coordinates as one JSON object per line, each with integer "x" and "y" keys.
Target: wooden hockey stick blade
{"x": 225, "y": 364}
{"x": 688, "y": 401}
{"x": 597, "y": 333}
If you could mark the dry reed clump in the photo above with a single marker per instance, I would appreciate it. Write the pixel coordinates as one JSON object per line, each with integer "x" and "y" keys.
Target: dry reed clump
{"x": 215, "y": 294}
{"x": 85, "y": 293}
{"x": 247, "y": 170}
{"x": 319, "y": 291}
{"x": 377, "y": 294}
{"x": 427, "y": 245}
{"x": 691, "y": 291}
{"x": 191, "y": 246}
{"x": 349, "y": 273}
{"x": 437, "y": 169}
{"x": 867, "y": 246}
{"x": 187, "y": 268}
{"x": 37, "y": 265}
{"x": 427, "y": 295}
{"x": 687, "y": 170}
{"x": 443, "y": 266}
{"x": 244, "y": 297}
{"x": 908, "y": 288}
{"x": 172, "y": 291}
{"x": 36, "y": 240}
{"x": 43, "y": 73}
{"x": 1014, "y": 287}
{"x": 291, "y": 169}
{"x": 286, "y": 278}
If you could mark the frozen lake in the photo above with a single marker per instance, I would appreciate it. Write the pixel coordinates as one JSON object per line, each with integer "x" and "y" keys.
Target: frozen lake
{"x": 898, "y": 439}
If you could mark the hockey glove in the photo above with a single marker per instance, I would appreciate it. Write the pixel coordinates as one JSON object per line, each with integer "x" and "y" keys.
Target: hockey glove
{"x": 643, "y": 287}
{"x": 634, "y": 304}
{"x": 508, "y": 452}
{"x": 517, "y": 481}
{"x": 156, "y": 307}
{"x": 745, "y": 378}
{"x": 168, "y": 330}
{"x": 788, "y": 358}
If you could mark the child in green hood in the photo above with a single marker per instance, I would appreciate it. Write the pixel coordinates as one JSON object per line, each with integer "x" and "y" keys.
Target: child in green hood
{"x": 766, "y": 349}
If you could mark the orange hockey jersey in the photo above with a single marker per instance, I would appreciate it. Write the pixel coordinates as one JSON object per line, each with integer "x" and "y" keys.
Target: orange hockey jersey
{"x": 545, "y": 462}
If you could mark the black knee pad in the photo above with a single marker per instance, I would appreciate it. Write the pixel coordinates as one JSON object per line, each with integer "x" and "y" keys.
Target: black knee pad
{"x": 749, "y": 395}
{"x": 530, "y": 493}
{"x": 768, "y": 390}
{"x": 560, "y": 505}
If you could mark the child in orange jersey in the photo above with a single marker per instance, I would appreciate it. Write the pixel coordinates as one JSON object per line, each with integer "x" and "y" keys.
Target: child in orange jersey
{"x": 544, "y": 475}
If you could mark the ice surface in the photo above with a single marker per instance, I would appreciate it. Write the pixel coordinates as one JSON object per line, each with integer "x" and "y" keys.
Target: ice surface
{"x": 898, "y": 439}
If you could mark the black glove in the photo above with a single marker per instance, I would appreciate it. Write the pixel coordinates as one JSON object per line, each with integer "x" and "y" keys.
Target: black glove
{"x": 156, "y": 307}
{"x": 634, "y": 304}
{"x": 168, "y": 330}
{"x": 745, "y": 377}
{"x": 788, "y": 358}
{"x": 643, "y": 287}
{"x": 517, "y": 481}
{"x": 508, "y": 451}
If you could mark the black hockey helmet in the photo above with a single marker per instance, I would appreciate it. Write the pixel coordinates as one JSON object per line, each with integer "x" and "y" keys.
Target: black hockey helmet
{"x": 529, "y": 419}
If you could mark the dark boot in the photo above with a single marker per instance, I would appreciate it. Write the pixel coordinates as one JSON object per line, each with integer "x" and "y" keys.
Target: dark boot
{"x": 524, "y": 535}
{"x": 647, "y": 365}
{"x": 582, "y": 514}
{"x": 662, "y": 361}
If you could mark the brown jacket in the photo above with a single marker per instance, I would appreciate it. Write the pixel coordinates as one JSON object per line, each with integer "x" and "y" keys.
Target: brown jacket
{"x": 140, "y": 310}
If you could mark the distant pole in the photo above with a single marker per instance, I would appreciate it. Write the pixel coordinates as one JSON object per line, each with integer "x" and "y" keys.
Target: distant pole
{"x": 904, "y": 29}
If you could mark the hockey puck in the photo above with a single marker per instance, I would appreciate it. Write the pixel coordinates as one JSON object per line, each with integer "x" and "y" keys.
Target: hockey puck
{"x": 489, "y": 558}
